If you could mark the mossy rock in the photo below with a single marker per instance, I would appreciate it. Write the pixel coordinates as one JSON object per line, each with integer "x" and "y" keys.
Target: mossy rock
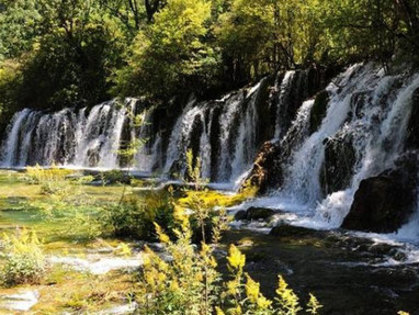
{"x": 267, "y": 171}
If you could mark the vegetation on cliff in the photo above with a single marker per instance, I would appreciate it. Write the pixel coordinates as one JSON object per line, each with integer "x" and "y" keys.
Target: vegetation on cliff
{"x": 57, "y": 53}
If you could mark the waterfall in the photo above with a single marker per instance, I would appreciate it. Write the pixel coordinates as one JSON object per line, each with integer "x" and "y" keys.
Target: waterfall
{"x": 369, "y": 112}
{"x": 302, "y": 175}
{"x": 70, "y": 138}
{"x": 12, "y": 143}
{"x": 378, "y": 143}
{"x": 361, "y": 134}
{"x": 223, "y": 134}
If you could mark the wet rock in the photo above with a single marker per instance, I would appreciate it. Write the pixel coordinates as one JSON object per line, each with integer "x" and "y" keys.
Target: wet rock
{"x": 318, "y": 111}
{"x": 254, "y": 213}
{"x": 384, "y": 203}
{"x": 338, "y": 165}
{"x": 412, "y": 141}
{"x": 240, "y": 215}
{"x": 215, "y": 132}
{"x": 380, "y": 249}
{"x": 195, "y": 140}
{"x": 263, "y": 106}
{"x": 304, "y": 84}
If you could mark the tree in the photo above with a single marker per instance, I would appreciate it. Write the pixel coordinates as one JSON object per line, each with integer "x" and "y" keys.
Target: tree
{"x": 19, "y": 20}
{"x": 172, "y": 53}
{"x": 69, "y": 59}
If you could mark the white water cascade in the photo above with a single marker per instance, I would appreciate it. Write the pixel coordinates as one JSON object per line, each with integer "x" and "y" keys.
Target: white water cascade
{"x": 367, "y": 109}
{"x": 222, "y": 133}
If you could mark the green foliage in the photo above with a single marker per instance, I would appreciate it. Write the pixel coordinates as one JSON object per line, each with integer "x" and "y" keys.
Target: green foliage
{"x": 67, "y": 51}
{"x": 38, "y": 175}
{"x": 10, "y": 80}
{"x": 20, "y": 21}
{"x": 23, "y": 260}
{"x": 172, "y": 52}
{"x": 57, "y": 53}
{"x": 135, "y": 215}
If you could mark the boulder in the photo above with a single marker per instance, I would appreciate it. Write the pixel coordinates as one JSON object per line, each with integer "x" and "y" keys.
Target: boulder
{"x": 240, "y": 215}
{"x": 254, "y": 213}
{"x": 382, "y": 204}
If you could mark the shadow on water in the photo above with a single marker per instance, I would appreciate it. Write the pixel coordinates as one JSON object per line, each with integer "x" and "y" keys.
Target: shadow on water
{"x": 341, "y": 271}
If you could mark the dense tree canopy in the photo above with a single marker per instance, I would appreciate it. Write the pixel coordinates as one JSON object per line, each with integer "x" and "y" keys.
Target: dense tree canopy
{"x": 56, "y": 53}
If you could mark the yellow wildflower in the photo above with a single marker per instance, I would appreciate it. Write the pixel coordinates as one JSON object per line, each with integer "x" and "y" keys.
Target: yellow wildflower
{"x": 235, "y": 258}
{"x": 252, "y": 289}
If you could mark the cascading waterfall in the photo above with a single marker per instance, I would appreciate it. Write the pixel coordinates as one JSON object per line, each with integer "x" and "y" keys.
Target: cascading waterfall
{"x": 84, "y": 139}
{"x": 378, "y": 143}
{"x": 92, "y": 137}
{"x": 368, "y": 107}
{"x": 367, "y": 110}
{"x": 302, "y": 175}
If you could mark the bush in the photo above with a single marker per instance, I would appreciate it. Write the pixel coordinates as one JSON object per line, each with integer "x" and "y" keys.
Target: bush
{"x": 135, "y": 215}
{"x": 24, "y": 261}
{"x": 39, "y": 175}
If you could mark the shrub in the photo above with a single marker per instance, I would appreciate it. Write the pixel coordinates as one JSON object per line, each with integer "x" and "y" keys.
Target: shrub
{"x": 135, "y": 215}
{"x": 24, "y": 261}
{"x": 38, "y": 175}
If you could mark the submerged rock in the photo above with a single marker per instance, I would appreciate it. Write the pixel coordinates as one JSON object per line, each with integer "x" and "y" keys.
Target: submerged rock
{"x": 98, "y": 265}
{"x": 22, "y": 301}
{"x": 121, "y": 309}
{"x": 292, "y": 231}
{"x": 384, "y": 203}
